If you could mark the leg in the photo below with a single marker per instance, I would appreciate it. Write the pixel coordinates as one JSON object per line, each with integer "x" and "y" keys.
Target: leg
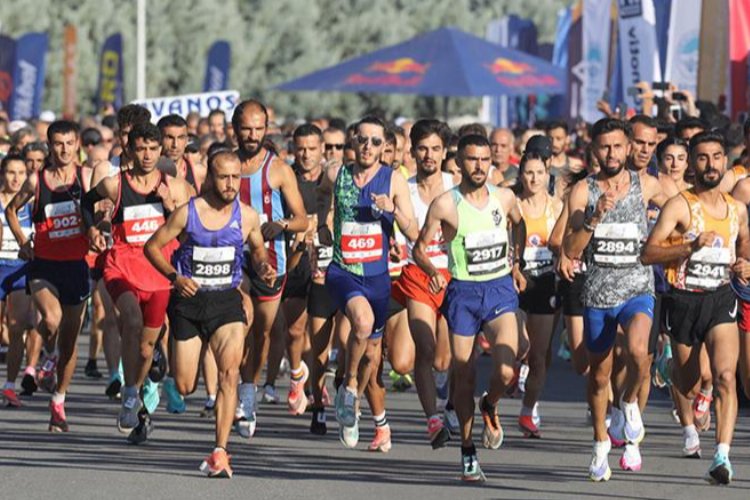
{"x": 574, "y": 328}
{"x": 186, "y": 356}
{"x": 462, "y": 368}
{"x": 277, "y": 342}
{"x": 17, "y": 315}
{"x": 598, "y": 391}
{"x": 108, "y": 325}
{"x": 210, "y": 372}
{"x": 131, "y": 329}
{"x": 265, "y": 314}
{"x": 722, "y": 342}
{"x": 400, "y": 344}
{"x": 295, "y": 312}
{"x": 320, "y": 336}
{"x": 540, "y": 337}
{"x": 637, "y": 361}
{"x": 226, "y": 342}
{"x": 96, "y": 335}
{"x": 423, "y": 324}
{"x": 362, "y": 319}
{"x": 70, "y": 328}
{"x": 502, "y": 332}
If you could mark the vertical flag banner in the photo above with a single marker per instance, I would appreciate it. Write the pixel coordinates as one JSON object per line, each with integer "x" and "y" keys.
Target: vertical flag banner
{"x": 663, "y": 13}
{"x": 217, "y": 67}
{"x": 110, "y": 89}
{"x": 640, "y": 54}
{"x": 7, "y": 67}
{"x": 739, "y": 47}
{"x": 684, "y": 44}
{"x": 28, "y": 76}
{"x": 714, "y": 50}
{"x": 69, "y": 71}
{"x": 575, "y": 59}
{"x": 556, "y": 105}
{"x": 595, "y": 56}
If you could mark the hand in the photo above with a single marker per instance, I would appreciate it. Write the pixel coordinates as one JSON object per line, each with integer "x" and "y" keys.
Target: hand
{"x": 166, "y": 196}
{"x": 604, "y": 107}
{"x": 565, "y": 268}
{"x": 519, "y": 280}
{"x": 271, "y": 230}
{"x": 383, "y": 202}
{"x": 186, "y": 287}
{"x": 604, "y": 204}
{"x": 437, "y": 282}
{"x": 97, "y": 241}
{"x": 703, "y": 240}
{"x": 266, "y": 273}
{"x": 741, "y": 269}
{"x": 26, "y": 251}
{"x": 395, "y": 253}
{"x": 324, "y": 236}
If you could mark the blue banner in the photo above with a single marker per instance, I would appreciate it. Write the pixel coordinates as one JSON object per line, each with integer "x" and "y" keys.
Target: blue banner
{"x": 7, "y": 66}
{"x": 110, "y": 88}
{"x": 556, "y": 106}
{"x": 28, "y": 76}
{"x": 662, "y": 10}
{"x": 217, "y": 67}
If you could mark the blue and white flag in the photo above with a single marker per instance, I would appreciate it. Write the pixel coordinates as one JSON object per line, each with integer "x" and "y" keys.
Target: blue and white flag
{"x": 28, "y": 76}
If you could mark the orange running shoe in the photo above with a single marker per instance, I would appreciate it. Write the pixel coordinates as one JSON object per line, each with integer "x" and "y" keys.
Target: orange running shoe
{"x": 11, "y": 398}
{"x": 296, "y": 399}
{"x": 528, "y": 427}
{"x": 382, "y": 440}
{"x": 217, "y": 465}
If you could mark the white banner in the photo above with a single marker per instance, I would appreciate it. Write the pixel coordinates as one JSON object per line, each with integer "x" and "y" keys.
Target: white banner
{"x": 183, "y": 104}
{"x": 638, "y": 47}
{"x": 596, "y": 24}
{"x": 683, "y": 45}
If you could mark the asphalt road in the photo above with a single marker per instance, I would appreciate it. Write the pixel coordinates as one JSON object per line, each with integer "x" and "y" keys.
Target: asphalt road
{"x": 284, "y": 460}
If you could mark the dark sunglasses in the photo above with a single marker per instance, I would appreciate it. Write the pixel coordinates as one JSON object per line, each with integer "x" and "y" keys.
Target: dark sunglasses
{"x": 376, "y": 141}
{"x": 337, "y": 147}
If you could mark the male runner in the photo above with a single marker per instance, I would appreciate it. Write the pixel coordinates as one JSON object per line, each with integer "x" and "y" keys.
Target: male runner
{"x": 502, "y": 172}
{"x": 206, "y": 306}
{"x": 483, "y": 293}
{"x": 701, "y": 307}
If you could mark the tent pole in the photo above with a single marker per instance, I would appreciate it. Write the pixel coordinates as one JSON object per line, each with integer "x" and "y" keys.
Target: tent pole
{"x": 445, "y": 107}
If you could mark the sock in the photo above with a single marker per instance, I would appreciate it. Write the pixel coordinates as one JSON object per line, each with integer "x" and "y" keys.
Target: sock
{"x": 30, "y": 370}
{"x": 211, "y": 401}
{"x": 297, "y": 374}
{"x": 722, "y": 449}
{"x": 689, "y": 431}
{"x": 10, "y": 385}
{"x": 380, "y": 420}
{"x": 468, "y": 450}
{"x": 441, "y": 378}
{"x": 58, "y": 397}
{"x": 219, "y": 448}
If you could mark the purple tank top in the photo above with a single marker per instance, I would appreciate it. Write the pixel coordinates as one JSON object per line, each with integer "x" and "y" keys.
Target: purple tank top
{"x": 213, "y": 259}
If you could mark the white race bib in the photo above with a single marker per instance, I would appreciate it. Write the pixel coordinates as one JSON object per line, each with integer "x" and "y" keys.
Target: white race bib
{"x": 616, "y": 244}
{"x": 486, "y": 252}
{"x": 708, "y": 268}
{"x": 213, "y": 267}
{"x": 63, "y": 220}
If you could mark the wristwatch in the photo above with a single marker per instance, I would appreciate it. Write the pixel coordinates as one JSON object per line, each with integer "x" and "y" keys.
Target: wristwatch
{"x": 172, "y": 277}
{"x": 301, "y": 247}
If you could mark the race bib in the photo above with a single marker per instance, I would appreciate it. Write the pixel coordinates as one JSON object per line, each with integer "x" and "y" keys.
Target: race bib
{"x": 538, "y": 260}
{"x": 63, "y": 220}
{"x": 361, "y": 242}
{"x": 323, "y": 254}
{"x": 10, "y": 247}
{"x": 213, "y": 267}
{"x": 141, "y": 221}
{"x": 486, "y": 252}
{"x": 616, "y": 244}
{"x": 708, "y": 268}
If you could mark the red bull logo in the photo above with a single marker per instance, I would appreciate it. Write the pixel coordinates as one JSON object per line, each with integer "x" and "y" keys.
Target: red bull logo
{"x": 402, "y": 72}
{"x": 517, "y": 73}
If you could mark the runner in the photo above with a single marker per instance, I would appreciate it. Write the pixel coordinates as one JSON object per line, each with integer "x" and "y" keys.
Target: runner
{"x": 268, "y": 185}
{"x": 540, "y": 211}
{"x": 608, "y": 220}
{"x": 57, "y": 276}
{"x": 428, "y": 139}
{"x": 482, "y": 296}
{"x": 368, "y": 197}
{"x": 562, "y": 165}
{"x": 701, "y": 307}
{"x": 143, "y": 196}
{"x": 174, "y": 140}
{"x": 15, "y": 305}
{"x": 502, "y": 172}
{"x": 206, "y": 306}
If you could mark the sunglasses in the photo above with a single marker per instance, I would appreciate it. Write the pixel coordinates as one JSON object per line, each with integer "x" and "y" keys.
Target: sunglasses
{"x": 337, "y": 147}
{"x": 363, "y": 139}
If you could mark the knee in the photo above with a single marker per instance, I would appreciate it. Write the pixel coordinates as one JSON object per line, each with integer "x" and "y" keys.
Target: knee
{"x": 362, "y": 324}
{"x": 725, "y": 380}
{"x": 506, "y": 374}
{"x": 132, "y": 323}
{"x": 52, "y": 319}
{"x": 401, "y": 364}
{"x": 442, "y": 363}
{"x": 146, "y": 349}
{"x": 185, "y": 387}
{"x": 599, "y": 379}
{"x": 229, "y": 378}
{"x": 639, "y": 354}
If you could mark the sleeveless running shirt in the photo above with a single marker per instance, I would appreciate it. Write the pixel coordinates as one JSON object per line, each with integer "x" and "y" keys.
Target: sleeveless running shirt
{"x": 537, "y": 256}
{"x": 436, "y": 250}
{"x": 58, "y": 228}
{"x": 10, "y": 247}
{"x": 212, "y": 258}
{"x": 708, "y": 268}
{"x": 361, "y": 232}
{"x": 256, "y": 191}
{"x": 479, "y": 251}
{"x": 395, "y": 268}
{"x": 614, "y": 270}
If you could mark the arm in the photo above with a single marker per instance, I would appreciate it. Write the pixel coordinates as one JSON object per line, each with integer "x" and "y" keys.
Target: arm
{"x": 293, "y": 199}
{"x": 579, "y": 235}
{"x": 174, "y": 226}
{"x": 657, "y": 250}
{"x": 403, "y": 211}
{"x": 11, "y": 216}
{"x": 254, "y": 238}
{"x": 433, "y": 222}
{"x": 325, "y": 205}
{"x": 661, "y": 190}
{"x": 104, "y": 190}
{"x": 519, "y": 236}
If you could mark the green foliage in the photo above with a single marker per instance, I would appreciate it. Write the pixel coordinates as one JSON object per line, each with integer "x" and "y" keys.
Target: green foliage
{"x": 272, "y": 41}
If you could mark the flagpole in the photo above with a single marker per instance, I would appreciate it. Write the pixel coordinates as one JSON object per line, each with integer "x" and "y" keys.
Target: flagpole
{"x": 141, "y": 51}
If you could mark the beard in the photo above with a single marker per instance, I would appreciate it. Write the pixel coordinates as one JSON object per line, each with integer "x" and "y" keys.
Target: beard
{"x": 611, "y": 171}
{"x": 226, "y": 196}
{"x": 701, "y": 178}
{"x": 474, "y": 183}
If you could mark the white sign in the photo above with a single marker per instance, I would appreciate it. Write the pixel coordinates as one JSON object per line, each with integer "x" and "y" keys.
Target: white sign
{"x": 204, "y": 103}
{"x": 684, "y": 44}
{"x": 638, "y": 48}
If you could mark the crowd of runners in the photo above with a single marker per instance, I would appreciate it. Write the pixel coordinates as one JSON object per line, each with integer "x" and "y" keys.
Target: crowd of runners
{"x": 196, "y": 249}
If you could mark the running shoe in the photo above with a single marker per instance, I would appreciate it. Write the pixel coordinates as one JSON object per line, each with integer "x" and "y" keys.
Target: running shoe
{"x": 143, "y": 430}
{"x": 721, "y": 471}
{"x": 318, "y": 423}
{"x": 284, "y": 367}
{"x": 57, "y": 420}
{"x": 382, "y": 440}
{"x": 349, "y": 435}
{"x": 246, "y": 421}
{"x": 28, "y": 384}
{"x": 663, "y": 367}
{"x": 91, "y": 371}
{"x": 46, "y": 376}
{"x": 450, "y": 418}
{"x": 471, "y": 472}
{"x": 114, "y": 387}
{"x": 563, "y": 352}
{"x": 346, "y": 407}
{"x": 523, "y": 374}
{"x": 296, "y": 399}
{"x": 269, "y": 395}
{"x": 175, "y": 401}
{"x": 616, "y": 428}
{"x": 127, "y": 420}
{"x": 692, "y": 446}
{"x": 11, "y": 398}
{"x": 400, "y": 383}
{"x": 528, "y": 427}
{"x": 492, "y": 435}
{"x": 702, "y": 411}
{"x": 631, "y": 458}
{"x": 150, "y": 395}
{"x": 208, "y": 411}
{"x": 633, "y": 430}
{"x": 216, "y": 465}
{"x": 438, "y": 433}
{"x": 245, "y": 426}
{"x": 599, "y": 468}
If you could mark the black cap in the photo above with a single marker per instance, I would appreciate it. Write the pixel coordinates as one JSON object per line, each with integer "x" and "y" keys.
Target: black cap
{"x": 541, "y": 145}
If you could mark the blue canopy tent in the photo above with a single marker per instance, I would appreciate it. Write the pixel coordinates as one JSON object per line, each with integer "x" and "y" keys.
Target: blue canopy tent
{"x": 445, "y": 62}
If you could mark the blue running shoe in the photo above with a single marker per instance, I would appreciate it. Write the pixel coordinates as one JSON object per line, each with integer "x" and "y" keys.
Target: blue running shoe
{"x": 346, "y": 407}
{"x": 175, "y": 401}
{"x": 721, "y": 471}
{"x": 150, "y": 396}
